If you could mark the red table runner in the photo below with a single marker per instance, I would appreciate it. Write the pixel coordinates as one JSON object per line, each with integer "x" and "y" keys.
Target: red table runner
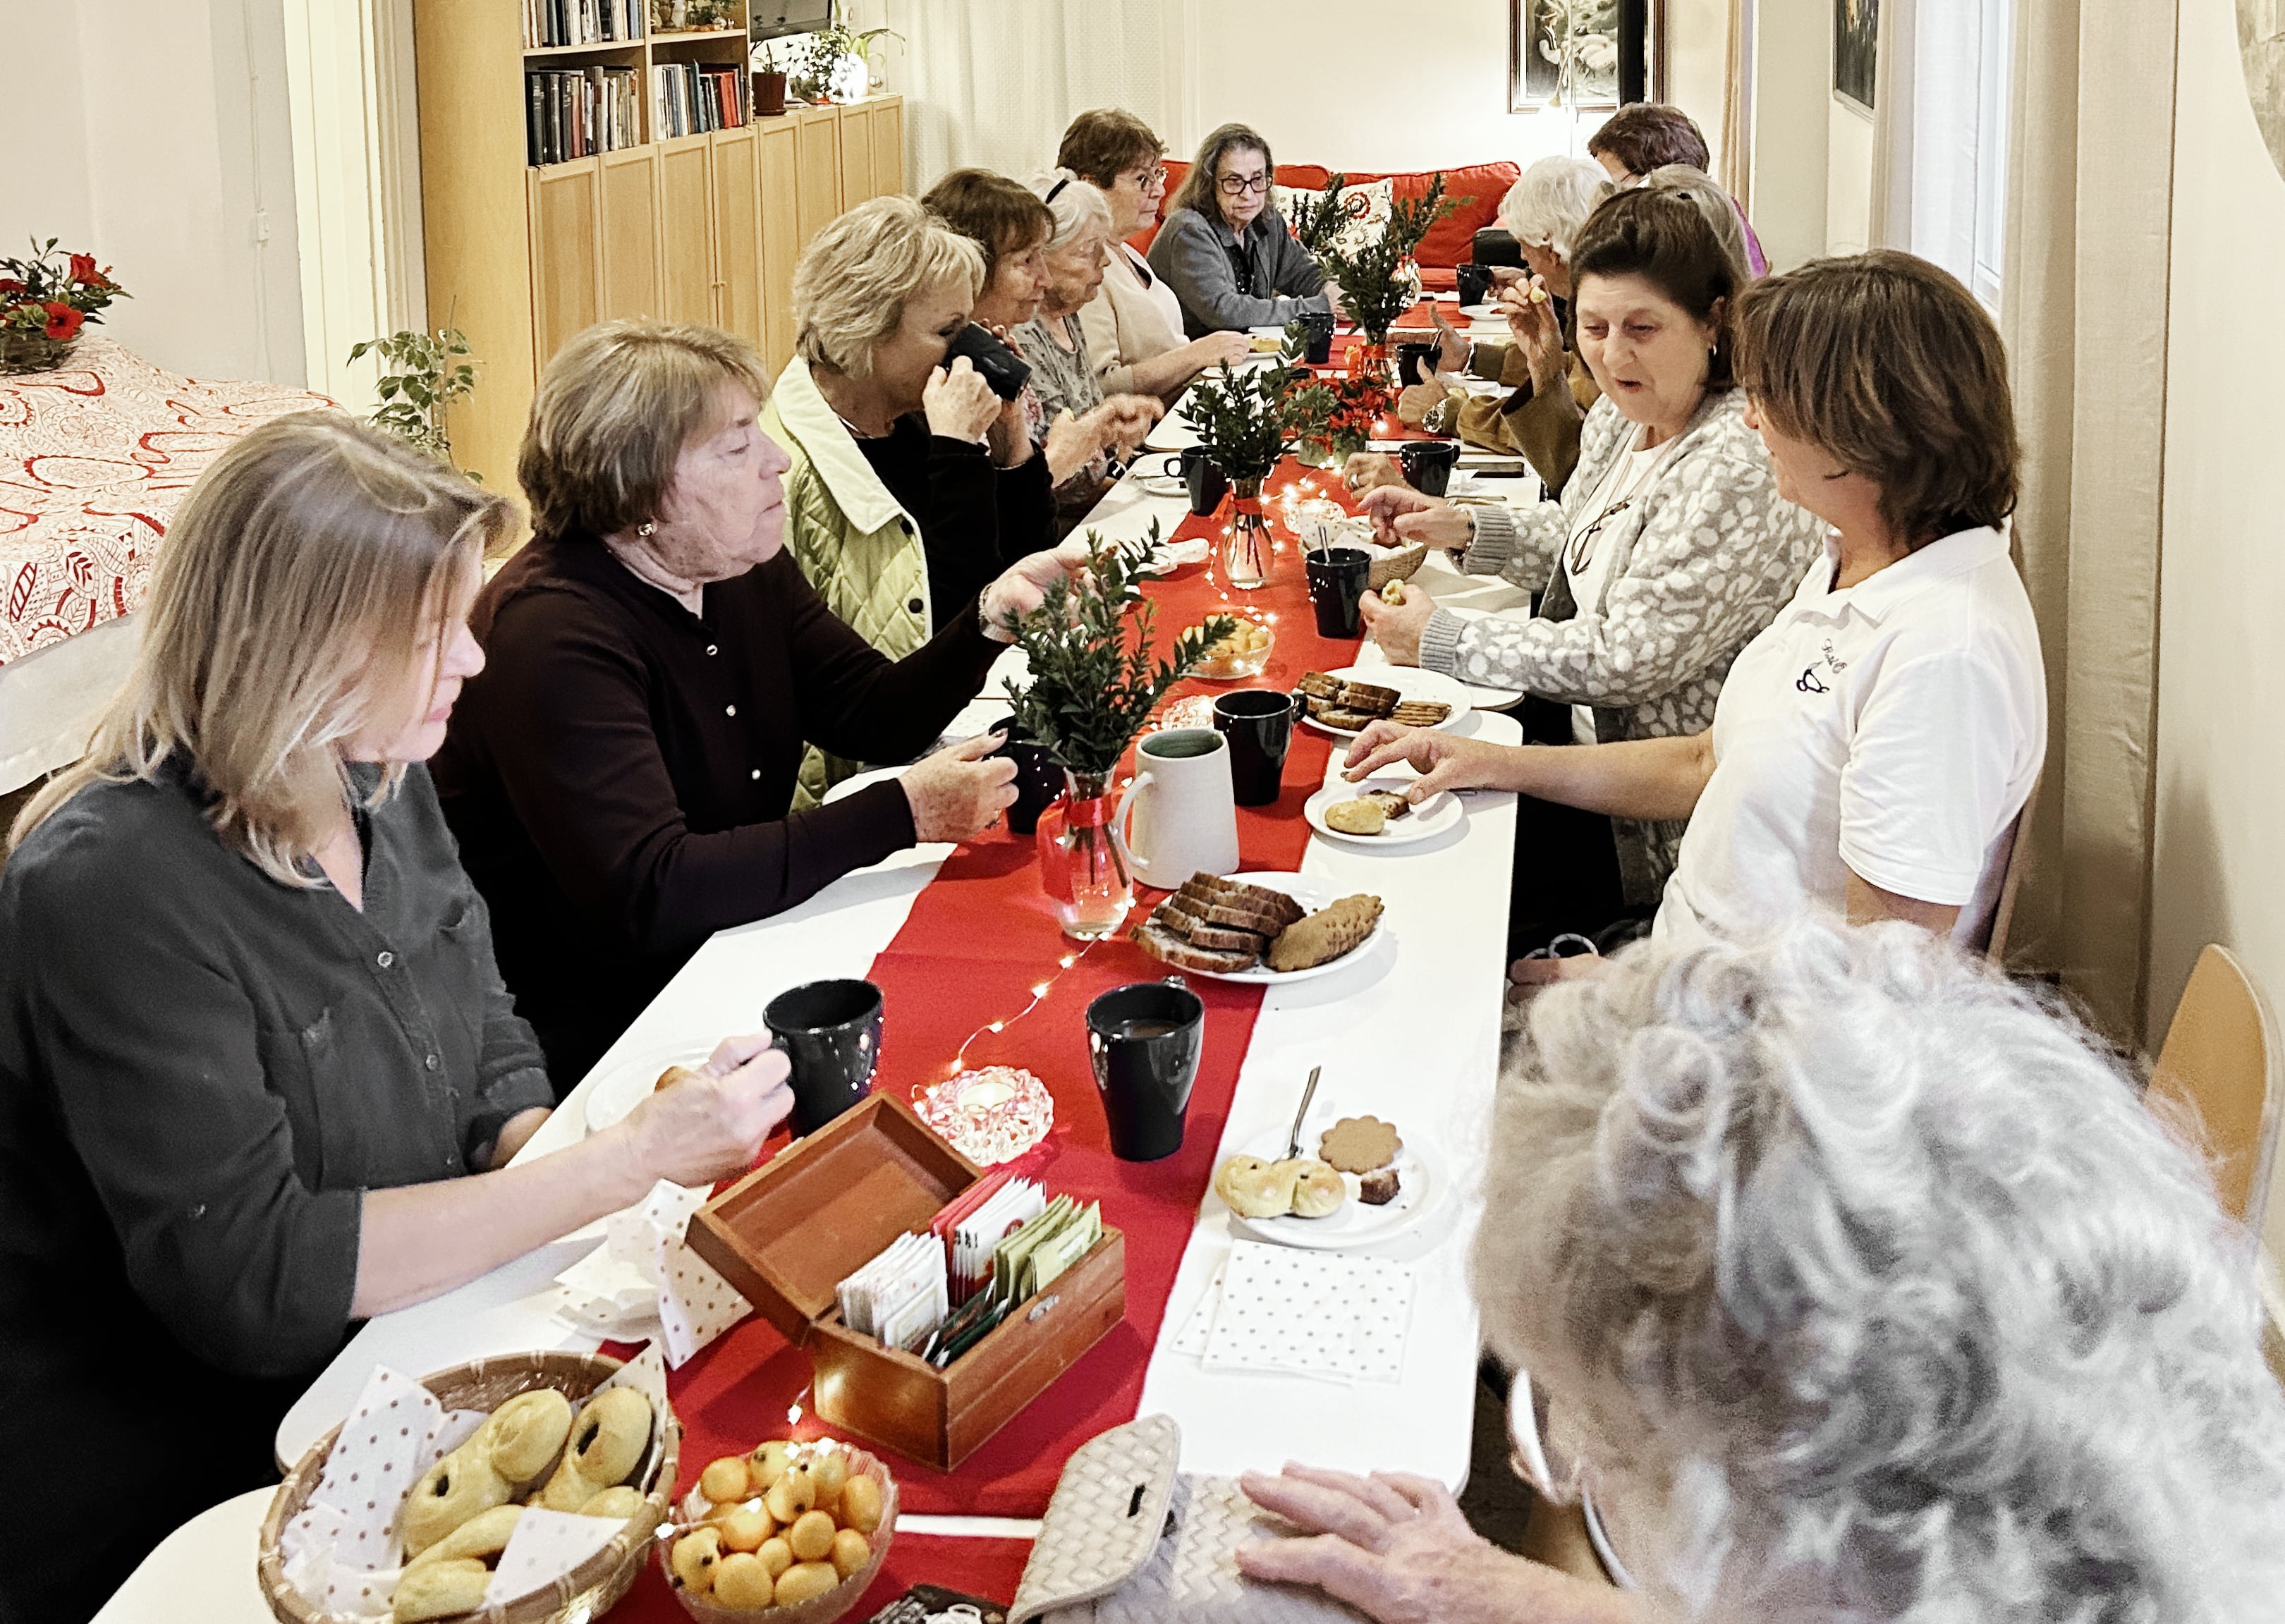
{"x": 982, "y": 946}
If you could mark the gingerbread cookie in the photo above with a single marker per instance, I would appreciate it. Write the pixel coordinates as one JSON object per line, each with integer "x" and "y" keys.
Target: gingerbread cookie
{"x": 1359, "y": 1144}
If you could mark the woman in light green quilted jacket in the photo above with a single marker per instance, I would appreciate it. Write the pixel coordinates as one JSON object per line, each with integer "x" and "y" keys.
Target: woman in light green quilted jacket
{"x": 911, "y": 485}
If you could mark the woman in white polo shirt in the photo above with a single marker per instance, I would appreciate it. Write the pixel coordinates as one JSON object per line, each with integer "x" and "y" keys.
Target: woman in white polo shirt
{"x": 1873, "y": 749}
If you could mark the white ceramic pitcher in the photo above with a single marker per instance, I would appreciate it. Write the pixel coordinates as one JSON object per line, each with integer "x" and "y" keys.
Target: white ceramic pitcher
{"x": 1185, "y": 815}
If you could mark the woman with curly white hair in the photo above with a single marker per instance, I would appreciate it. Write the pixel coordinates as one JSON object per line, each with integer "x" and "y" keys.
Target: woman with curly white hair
{"x": 1860, "y": 1285}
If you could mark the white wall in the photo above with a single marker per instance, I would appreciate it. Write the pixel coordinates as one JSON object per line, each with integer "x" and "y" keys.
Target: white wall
{"x": 1848, "y": 178}
{"x": 2219, "y": 873}
{"x": 1357, "y": 96}
{"x": 1793, "y": 129}
{"x": 152, "y": 134}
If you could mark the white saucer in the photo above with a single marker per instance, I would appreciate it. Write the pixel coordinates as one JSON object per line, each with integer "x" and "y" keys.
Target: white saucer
{"x": 1426, "y": 821}
{"x": 629, "y": 1083}
{"x": 1419, "y": 1182}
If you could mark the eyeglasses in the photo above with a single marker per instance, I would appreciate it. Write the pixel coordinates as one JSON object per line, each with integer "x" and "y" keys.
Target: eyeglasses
{"x": 1155, "y": 175}
{"x": 1238, "y": 186}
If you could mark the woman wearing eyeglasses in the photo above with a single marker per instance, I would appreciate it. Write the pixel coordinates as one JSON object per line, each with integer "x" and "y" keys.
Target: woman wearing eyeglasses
{"x": 1134, "y": 325}
{"x": 1671, "y": 549}
{"x": 1225, "y": 249}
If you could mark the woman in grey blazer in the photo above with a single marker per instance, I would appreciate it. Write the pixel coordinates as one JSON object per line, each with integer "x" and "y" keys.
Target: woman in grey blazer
{"x": 1225, "y": 249}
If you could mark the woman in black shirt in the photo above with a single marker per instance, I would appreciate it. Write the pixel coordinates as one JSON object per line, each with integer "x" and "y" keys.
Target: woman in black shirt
{"x": 257, "y": 1067}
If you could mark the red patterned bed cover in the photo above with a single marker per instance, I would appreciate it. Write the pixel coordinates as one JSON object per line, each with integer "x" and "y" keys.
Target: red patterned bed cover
{"x": 93, "y": 460}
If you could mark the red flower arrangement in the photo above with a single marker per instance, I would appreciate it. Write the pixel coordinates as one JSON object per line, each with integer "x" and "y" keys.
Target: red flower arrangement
{"x": 1336, "y": 413}
{"x": 44, "y": 304}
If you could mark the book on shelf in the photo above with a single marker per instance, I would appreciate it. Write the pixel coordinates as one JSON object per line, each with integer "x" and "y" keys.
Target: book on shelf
{"x": 581, "y": 22}
{"x": 689, "y": 98}
{"x": 574, "y": 113}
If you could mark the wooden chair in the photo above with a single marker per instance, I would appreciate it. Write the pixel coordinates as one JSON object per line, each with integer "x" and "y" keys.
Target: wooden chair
{"x": 2003, "y": 913}
{"x": 2221, "y": 1063}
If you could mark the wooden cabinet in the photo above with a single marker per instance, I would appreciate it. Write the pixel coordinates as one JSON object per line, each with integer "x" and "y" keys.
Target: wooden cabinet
{"x": 734, "y": 173}
{"x": 700, "y": 228}
{"x": 687, "y": 242}
{"x": 567, "y": 275}
{"x": 817, "y": 148}
{"x": 631, "y": 233}
{"x": 856, "y": 155}
{"x": 888, "y": 146}
{"x": 780, "y": 167}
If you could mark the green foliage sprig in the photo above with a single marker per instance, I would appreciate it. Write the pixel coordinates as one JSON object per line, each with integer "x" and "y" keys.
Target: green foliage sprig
{"x": 1376, "y": 285}
{"x": 426, "y": 373}
{"x": 1094, "y": 682}
{"x": 1316, "y": 220}
{"x": 1247, "y": 417}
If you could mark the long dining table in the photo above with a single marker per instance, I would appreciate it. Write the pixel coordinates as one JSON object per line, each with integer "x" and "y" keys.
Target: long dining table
{"x": 1411, "y": 1031}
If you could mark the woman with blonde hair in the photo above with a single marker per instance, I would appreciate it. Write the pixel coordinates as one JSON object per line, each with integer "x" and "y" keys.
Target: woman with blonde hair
{"x": 259, "y": 1078}
{"x": 622, "y": 774}
{"x": 1134, "y": 325}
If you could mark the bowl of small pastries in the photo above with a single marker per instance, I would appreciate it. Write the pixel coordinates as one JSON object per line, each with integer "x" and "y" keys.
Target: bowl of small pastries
{"x": 554, "y": 1436}
{"x": 1243, "y": 652}
{"x": 792, "y": 1532}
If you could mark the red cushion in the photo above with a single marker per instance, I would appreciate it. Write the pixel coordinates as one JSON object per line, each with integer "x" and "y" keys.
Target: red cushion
{"x": 1475, "y": 190}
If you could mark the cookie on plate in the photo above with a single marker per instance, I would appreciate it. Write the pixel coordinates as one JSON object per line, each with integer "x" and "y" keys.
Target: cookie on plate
{"x": 1359, "y": 1144}
{"x": 1362, "y": 816}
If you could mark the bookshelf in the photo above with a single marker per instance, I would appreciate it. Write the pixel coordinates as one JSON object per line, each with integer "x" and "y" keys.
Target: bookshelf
{"x": 702, "y": 227}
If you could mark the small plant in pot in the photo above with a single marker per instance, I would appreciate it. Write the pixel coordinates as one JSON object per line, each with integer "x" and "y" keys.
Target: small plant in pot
{"x": 1094, "y": 685}
{"x": 769, "y": 84}
{"x": 836, "y": 65}
{"x": 1251, "y": 419}
{"x": 44, "y": 302}
{"x": 425, "y": 373}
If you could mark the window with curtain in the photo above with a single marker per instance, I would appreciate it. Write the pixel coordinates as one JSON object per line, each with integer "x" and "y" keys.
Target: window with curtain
{"x": 1994, "y": 62}
{"x": 1940, "y": 135}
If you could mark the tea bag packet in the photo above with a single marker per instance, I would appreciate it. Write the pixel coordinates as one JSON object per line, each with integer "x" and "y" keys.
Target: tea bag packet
{"x": 977, "y": 1237}
{"x": 1008, "y": 1260}
{"x": 1066, "y": 1246}
{"x": 901, "y": 1295}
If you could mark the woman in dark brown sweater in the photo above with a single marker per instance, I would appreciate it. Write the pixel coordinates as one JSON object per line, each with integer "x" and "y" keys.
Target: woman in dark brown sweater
{"x": 620, "y": 775}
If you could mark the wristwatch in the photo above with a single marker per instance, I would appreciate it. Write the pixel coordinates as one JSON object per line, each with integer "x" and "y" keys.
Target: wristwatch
{"x": 1442, "y": 416}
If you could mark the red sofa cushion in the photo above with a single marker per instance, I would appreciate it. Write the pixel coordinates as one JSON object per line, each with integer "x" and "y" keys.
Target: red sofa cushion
{"x": 1475, "y": 189}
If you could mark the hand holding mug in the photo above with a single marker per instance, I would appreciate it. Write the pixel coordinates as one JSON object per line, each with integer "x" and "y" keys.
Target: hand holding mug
{"x": 957, "y": 792}
{"x": 710, "y": 1123}
{"x": 958, "y": 402}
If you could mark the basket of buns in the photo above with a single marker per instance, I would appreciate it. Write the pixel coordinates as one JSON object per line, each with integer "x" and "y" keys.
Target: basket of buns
{"x": 791, "y": 1533}
{"x": 559, "y": 1433}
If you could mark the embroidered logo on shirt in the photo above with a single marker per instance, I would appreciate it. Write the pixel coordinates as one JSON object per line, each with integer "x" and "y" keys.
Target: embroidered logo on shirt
{"x": 1810, "y": 682}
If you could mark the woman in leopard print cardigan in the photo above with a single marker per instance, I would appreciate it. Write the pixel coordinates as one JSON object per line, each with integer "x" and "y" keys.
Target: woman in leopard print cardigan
{"x": 1689, "y": 550}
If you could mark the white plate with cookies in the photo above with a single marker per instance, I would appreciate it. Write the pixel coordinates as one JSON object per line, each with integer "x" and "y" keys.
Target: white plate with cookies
{"x": 1411, "y": 682}
{"x": 628, "y": 1082}
{"x": 1355, "y": 1222}
{"x": 1360, "y": 814}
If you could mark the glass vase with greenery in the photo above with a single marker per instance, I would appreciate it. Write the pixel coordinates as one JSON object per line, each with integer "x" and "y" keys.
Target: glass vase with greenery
{"x": 1095, "y": 681}
{"x": 1376, "y": 276}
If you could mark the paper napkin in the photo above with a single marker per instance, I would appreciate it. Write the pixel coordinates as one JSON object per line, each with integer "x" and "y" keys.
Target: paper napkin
{"x": 644, "y": 1282}
{"x": 1321, "y": 1314}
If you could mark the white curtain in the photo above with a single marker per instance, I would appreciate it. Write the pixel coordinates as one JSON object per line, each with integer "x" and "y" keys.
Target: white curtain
{"x": 1924, "y": 129}
{"x": 2090, "y": 189}
{"x": 993, "y": 83}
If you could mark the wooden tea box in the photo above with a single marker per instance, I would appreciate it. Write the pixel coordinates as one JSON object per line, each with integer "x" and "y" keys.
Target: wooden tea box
{"x": 791, "y": 1230}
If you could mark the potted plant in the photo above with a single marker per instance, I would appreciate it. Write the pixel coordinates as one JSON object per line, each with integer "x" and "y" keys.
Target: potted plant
{"x": 769, "y": 85}
{"x": 836, "y": 64}
{"x": 1377, "y": 279}
{"x": 1252, "y": 418}
{"x": 1094, "y": 685}
{"x": 44, "y": 301}
{"x": 425, "y": 374}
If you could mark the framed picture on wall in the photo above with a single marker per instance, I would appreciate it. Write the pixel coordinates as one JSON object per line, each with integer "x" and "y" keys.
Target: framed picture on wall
{"x": 1856, "y": 51}
{"x": 1590, "y": 55}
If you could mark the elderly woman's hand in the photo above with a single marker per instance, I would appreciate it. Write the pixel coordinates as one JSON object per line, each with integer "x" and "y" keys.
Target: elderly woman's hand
{"x": 957, "y": 792}
{"x": 1022, "y": 586}
{"x": 1398, "y": 628}
{"x": 1071, "y": 444}
{"x": 1369, "y": 471}
{"x": 711, "y": 1124}
{"x": 1009, "y": 438}
{"x": 1125, "y": 420}
{"x": 1531, "y": 323}
{"x": 1397, "y": 1549}
{"x": 958, "y": 402}
{"x": 1401, "y": 514}
{"x": 1416, "y": 401}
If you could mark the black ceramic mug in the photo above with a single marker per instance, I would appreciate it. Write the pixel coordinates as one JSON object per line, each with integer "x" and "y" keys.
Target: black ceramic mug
{"x": 1144, "y": 1039}
{"x": 1428, "y": 464}
{"x": 831, "y": 1032}
{"x": 1475, "y": 284}
{"x": 1204, "y": 478}
{"x": 1416, "y": 362}
{"x": 1337, "y": 579}
{"x": 1320, "y": 326}
{"x": 1039, "y": 778}
{"x": 1259, "y": 724}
